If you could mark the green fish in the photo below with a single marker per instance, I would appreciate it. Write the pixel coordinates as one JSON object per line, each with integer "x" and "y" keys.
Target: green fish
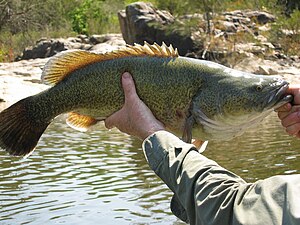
{"x": 193, "y": 98}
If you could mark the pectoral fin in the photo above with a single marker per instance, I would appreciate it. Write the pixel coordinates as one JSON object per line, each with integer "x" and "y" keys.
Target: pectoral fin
{"x": 197, "y": 143}
{"x": 187, "y": 130}
{"x": 80, "y": 122}
{"x": 200, "y": 145}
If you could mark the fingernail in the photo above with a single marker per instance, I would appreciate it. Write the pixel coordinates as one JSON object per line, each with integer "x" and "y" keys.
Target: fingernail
{"x": 126, "y": 75}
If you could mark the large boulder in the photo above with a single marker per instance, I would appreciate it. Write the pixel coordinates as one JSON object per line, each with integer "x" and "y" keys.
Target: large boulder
{"x": 141, "y": 22}
{"x": 45, "y": 48}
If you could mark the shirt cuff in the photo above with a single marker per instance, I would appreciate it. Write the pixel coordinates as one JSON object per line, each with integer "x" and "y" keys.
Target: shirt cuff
{"x": 153, "y": 150}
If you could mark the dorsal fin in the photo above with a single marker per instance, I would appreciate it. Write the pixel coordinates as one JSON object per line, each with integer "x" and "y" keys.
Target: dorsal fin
{"x": 62, "y": 64}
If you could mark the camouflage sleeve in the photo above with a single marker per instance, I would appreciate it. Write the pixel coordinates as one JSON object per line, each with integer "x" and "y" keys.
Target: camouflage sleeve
{"x": 206, "y": 193}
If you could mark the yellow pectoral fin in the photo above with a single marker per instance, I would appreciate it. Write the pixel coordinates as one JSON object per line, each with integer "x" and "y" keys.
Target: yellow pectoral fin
{"x": 80, "y": 122}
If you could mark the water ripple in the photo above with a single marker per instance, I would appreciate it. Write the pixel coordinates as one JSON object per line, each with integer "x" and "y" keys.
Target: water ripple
{"x": 84, "y": 178}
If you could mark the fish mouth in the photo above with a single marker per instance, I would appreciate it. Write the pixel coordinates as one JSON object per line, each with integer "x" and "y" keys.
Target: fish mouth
{"x": 279, "y": 98}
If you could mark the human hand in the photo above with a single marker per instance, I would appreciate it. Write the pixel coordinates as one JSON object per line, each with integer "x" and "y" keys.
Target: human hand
{"x": 135, "y": 118}
{"x": 289, "y": 114}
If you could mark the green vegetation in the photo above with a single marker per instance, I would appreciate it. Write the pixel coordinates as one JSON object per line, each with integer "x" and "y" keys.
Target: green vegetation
{"x": 92, "y": 16}
{"x": 22, "y": 22}
{"x": 286, "y": 32}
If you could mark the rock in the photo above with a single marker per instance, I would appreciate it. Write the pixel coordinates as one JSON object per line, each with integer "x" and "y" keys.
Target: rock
{"x": 49, "y": 47}
{"x": 266, "y": 70}
{"x": 258, "y": 66}
{"x": 134, "y": 21}
{"x": 290, "y": 72}
{"x": 260, "y": 16}
{"x": 111, "y": 39}
{"x": 237, "y": 17}
{"x": 105, "y": 47}
{"x": 20, "y": 79}
{"x": 252, "y": 22}
{"x": 246, "y": 16}
{"x": 43, "y": 49}
{"x": 141, "y": 22}
{"x": 256, "y": 49}
{"x": 229, "y": 26}
{"x": 106, "y": 43}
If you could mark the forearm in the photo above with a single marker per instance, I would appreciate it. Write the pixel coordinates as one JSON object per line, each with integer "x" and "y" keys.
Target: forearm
{"x": 212, "y": 195}
{"x": 204, "y": 189}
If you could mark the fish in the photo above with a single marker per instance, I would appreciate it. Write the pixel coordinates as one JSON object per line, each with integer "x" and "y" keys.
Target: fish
{"x": 195, "y": 99}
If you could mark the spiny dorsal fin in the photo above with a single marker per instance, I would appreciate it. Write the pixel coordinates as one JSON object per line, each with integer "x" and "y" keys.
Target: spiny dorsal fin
{"x": 80, "y": 122}
{"x": 62, "y": 64}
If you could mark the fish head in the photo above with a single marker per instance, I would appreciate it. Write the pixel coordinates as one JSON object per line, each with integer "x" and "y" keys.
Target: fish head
{"x": 252, "y": 95}
{"x": 226, "y": 106}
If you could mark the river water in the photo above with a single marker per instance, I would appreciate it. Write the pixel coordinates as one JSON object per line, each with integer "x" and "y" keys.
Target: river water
{"x": 101, "y": 177}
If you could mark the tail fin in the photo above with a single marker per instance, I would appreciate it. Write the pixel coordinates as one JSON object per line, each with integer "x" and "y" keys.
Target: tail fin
{"x": 19, "y": 133}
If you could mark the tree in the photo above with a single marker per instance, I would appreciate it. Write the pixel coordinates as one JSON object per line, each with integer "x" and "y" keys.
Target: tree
{"x": 20, "y": 16}
{"x": 290, "y": 5}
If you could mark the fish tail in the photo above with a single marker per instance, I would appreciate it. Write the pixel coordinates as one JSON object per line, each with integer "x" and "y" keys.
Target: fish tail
{"x": 19, "y": 131}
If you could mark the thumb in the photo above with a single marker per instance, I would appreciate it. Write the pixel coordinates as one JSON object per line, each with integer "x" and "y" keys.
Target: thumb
{"x": 111, "y": 121}
{"x": 128, "y": 87}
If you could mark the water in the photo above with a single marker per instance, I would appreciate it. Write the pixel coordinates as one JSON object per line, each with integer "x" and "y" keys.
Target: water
{"x": 102, "y": 177}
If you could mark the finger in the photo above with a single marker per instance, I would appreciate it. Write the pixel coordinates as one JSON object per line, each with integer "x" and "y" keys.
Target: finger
{"x": 298, "y": 135}
{"x": 292, "y": 118}
{"x": 286, "y": 107}
{"x": 293, "y": 129}
{"x": 294, "y": 89}
{"x": 295, "y": 108}
{"x": 282, "y": 115}
{"x": 128, "y": 86}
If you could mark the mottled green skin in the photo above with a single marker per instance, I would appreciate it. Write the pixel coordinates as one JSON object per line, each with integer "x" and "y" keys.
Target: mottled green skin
{"x": 173, "y": 88}
{"x": 166, "y": 85}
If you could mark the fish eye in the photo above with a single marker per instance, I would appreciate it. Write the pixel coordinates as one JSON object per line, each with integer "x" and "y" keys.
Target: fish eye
{"x": 259, "y": 88}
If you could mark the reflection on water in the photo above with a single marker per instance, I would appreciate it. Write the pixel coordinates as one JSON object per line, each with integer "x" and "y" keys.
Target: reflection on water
{"x": 263, "y": 151}
{"x": 102, "y": 177}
